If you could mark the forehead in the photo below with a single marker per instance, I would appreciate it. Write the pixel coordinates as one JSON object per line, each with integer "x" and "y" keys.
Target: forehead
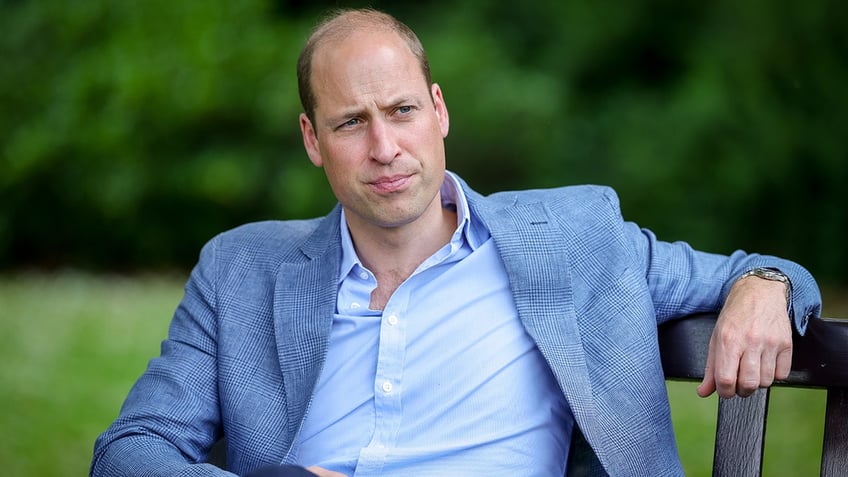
{"x": 365, "y": 63}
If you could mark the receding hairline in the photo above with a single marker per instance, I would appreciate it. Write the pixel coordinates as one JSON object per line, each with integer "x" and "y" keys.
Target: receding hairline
{"x": 339, "y": 24}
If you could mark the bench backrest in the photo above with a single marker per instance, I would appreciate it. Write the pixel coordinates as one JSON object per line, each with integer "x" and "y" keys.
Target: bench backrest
{"x": 819, "y": 359}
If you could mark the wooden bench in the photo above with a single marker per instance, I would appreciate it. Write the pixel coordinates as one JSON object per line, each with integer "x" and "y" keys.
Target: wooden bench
{"x": 819, "y": 359}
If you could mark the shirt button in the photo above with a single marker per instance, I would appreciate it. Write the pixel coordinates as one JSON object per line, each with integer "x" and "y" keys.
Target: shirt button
{"x": 387, "y": 387}
{"x": 393, "y": 319}
{"x": 354, "y": 306}
{"x": 363, "y": 275}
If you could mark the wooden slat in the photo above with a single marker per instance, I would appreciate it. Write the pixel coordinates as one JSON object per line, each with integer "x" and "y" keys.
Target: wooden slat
{"x": 740, "y": 435}
{"x": 835, "y": 446}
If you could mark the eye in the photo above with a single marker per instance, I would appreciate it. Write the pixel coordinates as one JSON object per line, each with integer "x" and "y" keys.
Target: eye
{"x": 403, "y": 110}
{"x": 349, "y": 123}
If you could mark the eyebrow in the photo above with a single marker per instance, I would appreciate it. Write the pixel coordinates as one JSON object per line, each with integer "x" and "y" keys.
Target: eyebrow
{"x": 402, "y": 100}
{"x": 354, "y": 112}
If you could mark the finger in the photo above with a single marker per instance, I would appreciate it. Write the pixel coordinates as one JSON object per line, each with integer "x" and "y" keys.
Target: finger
{"x": 748, "y": 377}
{"x": 322, "y": 472}
{"x": 768, "y": 364}
{"x": 708, "y": 385}
{"x": 784, "y": 364}
{"x": 727, "y": 364}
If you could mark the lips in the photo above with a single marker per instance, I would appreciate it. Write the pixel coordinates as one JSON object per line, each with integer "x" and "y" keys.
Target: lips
{"x": 390, "y": 184}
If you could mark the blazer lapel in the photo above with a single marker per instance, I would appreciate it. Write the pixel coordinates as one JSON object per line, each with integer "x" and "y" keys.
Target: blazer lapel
{"x": 304, "y": 304}
{"x": 535, "y": 253}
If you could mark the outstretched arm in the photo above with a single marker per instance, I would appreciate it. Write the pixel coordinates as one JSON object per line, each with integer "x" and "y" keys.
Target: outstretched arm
{"x": 751, "y": 345}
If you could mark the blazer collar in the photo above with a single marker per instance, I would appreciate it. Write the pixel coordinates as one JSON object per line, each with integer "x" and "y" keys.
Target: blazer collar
{"x": 534, "y": 249}
{"x": 304, "y": 304}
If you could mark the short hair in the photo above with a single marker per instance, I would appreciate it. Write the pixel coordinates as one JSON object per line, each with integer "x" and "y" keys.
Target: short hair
{"x": 339, "y": 24}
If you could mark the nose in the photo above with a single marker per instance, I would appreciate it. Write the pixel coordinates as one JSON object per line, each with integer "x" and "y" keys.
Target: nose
{"x": 384, "y": 144}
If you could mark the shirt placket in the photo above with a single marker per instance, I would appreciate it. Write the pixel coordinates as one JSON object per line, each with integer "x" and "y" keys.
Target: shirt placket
{"x": 388, "y": 384}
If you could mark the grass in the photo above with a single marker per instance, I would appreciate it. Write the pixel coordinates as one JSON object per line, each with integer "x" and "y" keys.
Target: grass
{"x": 71, "y": 345}
{"x": 70, "y": 348}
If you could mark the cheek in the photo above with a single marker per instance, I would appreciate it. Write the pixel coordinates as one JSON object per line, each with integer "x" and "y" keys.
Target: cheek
{"x": 338, "y": 182}
{"x": 343, "y": 152}
{"x": 340, "y": 167}
{"x": 435, "y": 143}
{"x": 335, "y": 174}
{"x": 334, "y": 156}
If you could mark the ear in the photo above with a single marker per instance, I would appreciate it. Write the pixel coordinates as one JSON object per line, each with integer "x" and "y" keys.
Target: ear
{"x": 441, "y": 109}
{"x": 310, "y": 141}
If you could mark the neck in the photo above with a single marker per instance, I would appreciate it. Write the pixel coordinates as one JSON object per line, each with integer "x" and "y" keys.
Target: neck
{"x": 393, "y": 253}
{"x": 385, "y": 248}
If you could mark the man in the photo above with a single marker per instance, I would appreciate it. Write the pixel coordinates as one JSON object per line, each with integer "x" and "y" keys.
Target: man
{"x": 423, "y": 329}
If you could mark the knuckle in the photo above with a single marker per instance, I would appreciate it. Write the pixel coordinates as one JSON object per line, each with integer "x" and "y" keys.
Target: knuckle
{"x": 725, "y": 382}
{"x": 747, "y": 385}
{"x": 778, "y": 342}
{"x": 727, "y": 394}
{"x": 726, "y": 335}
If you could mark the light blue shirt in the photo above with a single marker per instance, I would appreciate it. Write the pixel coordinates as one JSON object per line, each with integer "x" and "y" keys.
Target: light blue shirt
{"x": 443, "y": 381}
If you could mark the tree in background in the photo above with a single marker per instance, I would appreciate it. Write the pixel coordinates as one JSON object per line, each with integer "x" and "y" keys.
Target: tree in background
{"x": 133, "y": 131}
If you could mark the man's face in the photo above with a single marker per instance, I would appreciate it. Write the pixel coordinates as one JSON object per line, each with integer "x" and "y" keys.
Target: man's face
{"x": 379, "y": 129}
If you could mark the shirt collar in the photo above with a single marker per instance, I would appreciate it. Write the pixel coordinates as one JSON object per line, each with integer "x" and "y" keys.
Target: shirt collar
{"x": 468, "y": 227}
{"x": 468, "y": 230}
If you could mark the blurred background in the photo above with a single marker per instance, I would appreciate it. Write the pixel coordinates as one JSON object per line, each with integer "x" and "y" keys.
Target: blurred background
{"x": 133, "y": 131}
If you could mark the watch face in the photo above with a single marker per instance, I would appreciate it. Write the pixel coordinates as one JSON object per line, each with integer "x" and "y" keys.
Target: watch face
{"x": 769, "y": 274}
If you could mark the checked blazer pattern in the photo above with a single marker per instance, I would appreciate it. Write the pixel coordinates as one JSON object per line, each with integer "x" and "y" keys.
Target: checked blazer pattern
{"x": 247, "y": 342}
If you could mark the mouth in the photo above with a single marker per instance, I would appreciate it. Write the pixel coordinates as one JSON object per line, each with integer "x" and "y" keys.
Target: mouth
{"x": 390, "y": 184}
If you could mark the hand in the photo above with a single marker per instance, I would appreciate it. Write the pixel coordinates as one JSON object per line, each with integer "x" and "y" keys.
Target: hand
{"x": 751, "y": 344}
{"x": 322, "y": 472}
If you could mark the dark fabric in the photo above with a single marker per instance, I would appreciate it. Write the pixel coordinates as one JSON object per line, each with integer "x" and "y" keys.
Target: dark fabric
{"x": 280, "y": 471}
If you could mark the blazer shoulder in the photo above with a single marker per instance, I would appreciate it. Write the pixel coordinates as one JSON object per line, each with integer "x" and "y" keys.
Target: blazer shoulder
{"x": 278, "y": 232}
{"x": 567, "y": 200}
{"x": 268, "y": 241}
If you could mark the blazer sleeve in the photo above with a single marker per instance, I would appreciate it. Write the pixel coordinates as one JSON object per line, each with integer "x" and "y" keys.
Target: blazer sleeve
{"x": 683, "y": 280}
{"x": 171, "y": 418}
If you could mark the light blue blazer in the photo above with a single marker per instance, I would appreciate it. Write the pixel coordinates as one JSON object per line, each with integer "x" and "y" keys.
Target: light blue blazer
{"x": 247, "y": 343}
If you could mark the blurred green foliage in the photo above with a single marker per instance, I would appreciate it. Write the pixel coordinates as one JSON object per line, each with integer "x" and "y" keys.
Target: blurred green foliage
{"x": 131, "y": 132}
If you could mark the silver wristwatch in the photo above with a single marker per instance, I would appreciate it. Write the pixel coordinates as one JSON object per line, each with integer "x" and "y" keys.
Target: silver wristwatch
{"x": 772, "y": 274}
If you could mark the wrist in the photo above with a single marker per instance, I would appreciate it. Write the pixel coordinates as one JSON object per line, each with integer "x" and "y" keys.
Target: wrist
{"x": 774, "y": 275}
